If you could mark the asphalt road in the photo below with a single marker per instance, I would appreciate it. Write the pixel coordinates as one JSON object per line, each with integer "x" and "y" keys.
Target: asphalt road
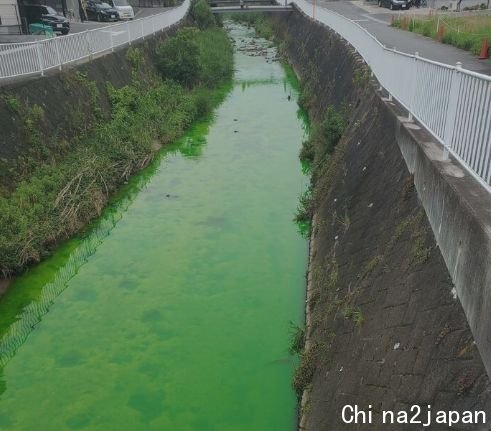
{"x": 378, "y": 25}
{"x": 77, "y": 27}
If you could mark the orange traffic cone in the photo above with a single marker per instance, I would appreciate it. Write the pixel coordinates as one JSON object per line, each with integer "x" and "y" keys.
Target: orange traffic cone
{"x": 484, "y": 50}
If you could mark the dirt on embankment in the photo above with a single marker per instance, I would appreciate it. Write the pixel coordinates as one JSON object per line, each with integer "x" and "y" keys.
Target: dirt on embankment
{"x": 385, "y": 327}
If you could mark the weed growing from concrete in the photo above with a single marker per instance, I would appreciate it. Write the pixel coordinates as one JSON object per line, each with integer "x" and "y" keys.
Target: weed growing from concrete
{"x": 354, "y": 315}
{"x": 333, "y": 276}
{"x": 297, "y": 342}
{"x": 371, "y": 265}
{"x": 361, "y": 78}
{"x": 419, "y": 252}
{"x": 305, "y": 207}
{"x": 13, "y": 103}
{"x": 305, "y": 371}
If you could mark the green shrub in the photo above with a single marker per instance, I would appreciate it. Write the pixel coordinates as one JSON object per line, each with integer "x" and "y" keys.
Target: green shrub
{"x": 331, "y": 129}
{"x": 196, "y": 58}
{"x": 201, "y": 14}
{"x": 307, "y": 152}
{"x": 13, "y": 103}
{"x": 305, "y": 371}
{"x": 178, "y": 57}
{"x": 305, "y": 207}
{"x": 297, "y": 340}
{"x": 58, "y": 198}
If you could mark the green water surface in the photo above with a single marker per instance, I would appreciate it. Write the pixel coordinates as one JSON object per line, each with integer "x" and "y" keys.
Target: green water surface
{"x": 173, "y": 312}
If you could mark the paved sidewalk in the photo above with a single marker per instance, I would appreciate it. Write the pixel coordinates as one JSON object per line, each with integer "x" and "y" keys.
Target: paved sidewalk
{"x": 378, "y": 25}
{"x": 77, "y": 27}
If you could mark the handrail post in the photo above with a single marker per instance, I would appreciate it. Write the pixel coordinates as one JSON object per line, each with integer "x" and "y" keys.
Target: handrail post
{"x": 57, "y": 46}
{"x": 453, "y": 102}
{"x": 394, "y": 51}
{"x": 40, "y": 58}
{"x": 128, "y": 30}
{"x": 89, "y": 49}
{"x": 112, "y": 40}
{"x": 413, "y": 87}
{"x": 141, "y": 26}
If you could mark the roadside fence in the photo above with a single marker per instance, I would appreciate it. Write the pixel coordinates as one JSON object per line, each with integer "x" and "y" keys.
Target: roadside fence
{"x": 22, "y": 59}
{"x": 453, "y": 103}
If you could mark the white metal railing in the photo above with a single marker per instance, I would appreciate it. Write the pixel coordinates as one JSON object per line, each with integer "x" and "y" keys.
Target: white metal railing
{"x": 453, "y": 103}
{"x": 18, "y": 59}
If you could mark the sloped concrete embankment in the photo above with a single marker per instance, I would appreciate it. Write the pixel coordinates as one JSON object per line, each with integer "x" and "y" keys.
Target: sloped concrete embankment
{"x": 384, "y": 325}
{"x": 63, "y": 105}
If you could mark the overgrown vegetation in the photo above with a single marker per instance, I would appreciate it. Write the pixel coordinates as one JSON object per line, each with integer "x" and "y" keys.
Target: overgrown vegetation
{"x": 201, "y": 14}
{"x": 196, "y": 58}
{"x": 354, "y": 315}
{"x": 305, "y": 207}
{"x": 361, "y": 77}
{"x": 304, "y": 373}
{"x": 324, "y": 137}
{"x": 61, "y": 196}
{"x": 464, "y": 32}
{"x": 297, "y": 342}
{"x": 259, "y": 21}
{"x": 315, "y": 151}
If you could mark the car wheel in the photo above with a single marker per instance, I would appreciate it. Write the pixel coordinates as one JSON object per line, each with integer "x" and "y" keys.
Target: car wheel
{"x": 65, "y": 32}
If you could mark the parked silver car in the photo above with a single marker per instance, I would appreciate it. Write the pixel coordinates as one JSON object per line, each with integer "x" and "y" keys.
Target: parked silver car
{"x": 395, "y": 4}
{"x": 125, "y": 11}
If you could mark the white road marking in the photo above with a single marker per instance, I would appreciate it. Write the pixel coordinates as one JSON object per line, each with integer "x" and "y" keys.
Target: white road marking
{"x": 380, "y": 21}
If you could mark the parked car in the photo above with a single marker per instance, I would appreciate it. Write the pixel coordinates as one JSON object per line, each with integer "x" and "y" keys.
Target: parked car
{"x": 101, "y": 11}
{"x": 395, "y": 4}
{"x": 46, "y": 15}
{"x": 125, "y": 11}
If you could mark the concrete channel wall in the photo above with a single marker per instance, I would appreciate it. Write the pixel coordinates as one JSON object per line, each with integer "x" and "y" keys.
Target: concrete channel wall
{"x": 399, "y": 255}
{"x": 459, "y": 211}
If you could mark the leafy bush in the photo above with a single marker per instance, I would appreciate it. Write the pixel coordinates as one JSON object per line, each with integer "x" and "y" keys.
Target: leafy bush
{"x": 331, "y": 129}
{"x": 58, "y": 198}
{"x": 196, "y": 58}
{"x": 305, "y": 371}
{"x": 215, "y": 57}
{"x": 305, "y": 207}
{"x": 178, "y": 57}
{"x": 201, "y": 14}
{"x": 307, "y": 152}
{"x": 324, "y": 137}
{"x": 297, "y": 342}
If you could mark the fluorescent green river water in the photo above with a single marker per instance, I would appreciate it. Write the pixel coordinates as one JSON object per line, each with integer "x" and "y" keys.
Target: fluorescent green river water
{"x": 173, "y": 311}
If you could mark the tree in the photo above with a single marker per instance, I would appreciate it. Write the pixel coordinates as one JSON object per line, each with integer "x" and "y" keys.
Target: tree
{"x": 201, "y": 14}
{"x": 178, "y": 57}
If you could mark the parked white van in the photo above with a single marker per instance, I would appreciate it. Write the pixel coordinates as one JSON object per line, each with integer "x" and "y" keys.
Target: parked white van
{"x": 125, "y": 11}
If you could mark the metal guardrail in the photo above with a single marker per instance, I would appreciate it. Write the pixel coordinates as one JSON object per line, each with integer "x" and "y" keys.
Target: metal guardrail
{"x": 22, "y": 59}
{"x": 453, "y": 103}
